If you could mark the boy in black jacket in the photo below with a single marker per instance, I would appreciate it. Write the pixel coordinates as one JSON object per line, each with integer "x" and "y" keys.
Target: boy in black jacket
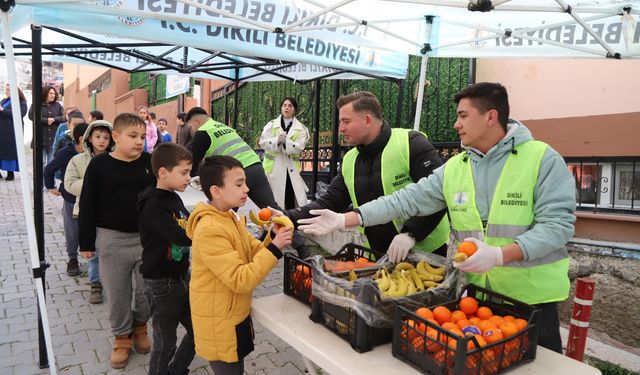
{"x": 58, "y": 165}
{"x": 165, "y": 259}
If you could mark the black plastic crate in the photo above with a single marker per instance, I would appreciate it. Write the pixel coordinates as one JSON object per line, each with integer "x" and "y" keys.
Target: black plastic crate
{"x": 343, "y": 318}
{"x": 297, "y": 278}
{"x": 435, "y": 350}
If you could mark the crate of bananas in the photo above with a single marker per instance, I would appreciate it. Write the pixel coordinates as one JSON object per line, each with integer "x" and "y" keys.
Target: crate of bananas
{"x": 358, "y": 304}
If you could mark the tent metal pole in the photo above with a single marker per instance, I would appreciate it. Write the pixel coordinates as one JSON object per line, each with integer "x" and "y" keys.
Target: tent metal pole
{"x": 316, "y": 136}
{"x": 472, "y": 71}
{"x": 399, "y": 103}
{"x": 335, "y": 133}
{"x": 36, "y": 251}
{"x": 587, "y": 28}
{"x": 423, "y": 72}
{"x": 236, "y": 86}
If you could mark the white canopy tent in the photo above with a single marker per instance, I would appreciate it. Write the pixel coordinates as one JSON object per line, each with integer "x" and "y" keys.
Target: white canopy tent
{"x": 370, "y": 37}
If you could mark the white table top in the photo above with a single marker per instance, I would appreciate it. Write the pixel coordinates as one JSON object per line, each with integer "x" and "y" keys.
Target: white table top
{"x": 289, "y": 319}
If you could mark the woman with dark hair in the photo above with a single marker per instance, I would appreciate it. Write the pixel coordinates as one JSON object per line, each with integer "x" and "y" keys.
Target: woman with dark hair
{"x": 283, "y": 139}
{"x": 52, "y": 116}
{"x": 8, "y": 151}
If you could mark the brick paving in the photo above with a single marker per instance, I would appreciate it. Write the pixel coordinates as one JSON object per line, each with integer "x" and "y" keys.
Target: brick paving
{"x": 80, "y": 331}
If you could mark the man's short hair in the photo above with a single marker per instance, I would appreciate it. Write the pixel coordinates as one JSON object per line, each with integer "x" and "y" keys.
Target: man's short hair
{"x": 195, "y": 111}
{"x": 213, "y": 169}
{"x": 181, "y": 116}
{"x": 96, "y": 115}
{"x": 78, "y": 131}
{"x": 486, "y": 96}
{"x": 169, "y": 155}
{"x": 363, "y": 101}
{"x": 125, "y": 120}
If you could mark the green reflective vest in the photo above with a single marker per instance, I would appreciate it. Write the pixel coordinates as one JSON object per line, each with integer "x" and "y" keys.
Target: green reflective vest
{"x": 395, "y": 174}
{"x": 225, "y": 141}
{"x": 536, "y": 281}
{"x": 270, "y": 156}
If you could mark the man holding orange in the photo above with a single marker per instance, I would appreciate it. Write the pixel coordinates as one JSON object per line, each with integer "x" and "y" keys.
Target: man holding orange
{"x": 510, "y": 195}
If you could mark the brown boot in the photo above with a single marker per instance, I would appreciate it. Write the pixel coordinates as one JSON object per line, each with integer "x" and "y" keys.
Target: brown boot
{"x": 120, "y": 353}
{"x": 140, "y": 339}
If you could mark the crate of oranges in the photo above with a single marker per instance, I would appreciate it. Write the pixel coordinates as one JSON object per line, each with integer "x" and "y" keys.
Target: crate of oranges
{"x": 298, "y": 275}
{"x": 481, "y": 333}
{"x": 351, "y": 303}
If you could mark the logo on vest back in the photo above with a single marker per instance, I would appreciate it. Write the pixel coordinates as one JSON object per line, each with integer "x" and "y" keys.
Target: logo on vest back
{"x": 220, "y": 133}
{"x": 460, "y": 200}
{"x": 401, "y": 179}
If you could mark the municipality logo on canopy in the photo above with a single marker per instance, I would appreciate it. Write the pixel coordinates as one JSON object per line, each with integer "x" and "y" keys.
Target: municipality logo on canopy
{"x": 129, "y": 21}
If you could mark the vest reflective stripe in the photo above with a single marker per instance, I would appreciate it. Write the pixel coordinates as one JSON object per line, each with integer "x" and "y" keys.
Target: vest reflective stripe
{"x": 225, "y": 141}
{"x": 535, "y": 281}
{"x": 270, "y": 156}
{"x": 395, "y": 175}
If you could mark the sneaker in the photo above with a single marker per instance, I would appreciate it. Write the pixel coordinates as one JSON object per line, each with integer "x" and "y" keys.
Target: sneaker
{"x": 73, "y": 269}
{"x": 10, "y": 176}
{"x": 95, "y": 296}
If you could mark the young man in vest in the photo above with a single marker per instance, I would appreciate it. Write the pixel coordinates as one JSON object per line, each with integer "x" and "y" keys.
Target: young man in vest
{"x": 383, "y": 161}
{"x": 509, "y": 194}
{"x": 214, "y": 138}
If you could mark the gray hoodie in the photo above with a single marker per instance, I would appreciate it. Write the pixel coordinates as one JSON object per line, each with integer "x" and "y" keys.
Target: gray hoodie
{"x": 78, "y": 164}
{"x": 554, "y": 195}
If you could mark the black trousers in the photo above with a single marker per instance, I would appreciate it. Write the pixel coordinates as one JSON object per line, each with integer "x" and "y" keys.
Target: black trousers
{"x": 549, "y": 326}
{"x": 259, "y": 189}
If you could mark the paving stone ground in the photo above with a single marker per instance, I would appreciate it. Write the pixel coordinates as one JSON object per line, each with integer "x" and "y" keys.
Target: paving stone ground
{"x": 80, "y": 331}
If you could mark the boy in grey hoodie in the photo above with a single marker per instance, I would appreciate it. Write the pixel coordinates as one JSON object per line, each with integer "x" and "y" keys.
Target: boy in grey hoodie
{"x": 96, "y": 140}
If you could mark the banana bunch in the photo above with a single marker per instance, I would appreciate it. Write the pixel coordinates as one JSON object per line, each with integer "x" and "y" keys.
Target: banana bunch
{"x": 280, "y": 220}
{"x": 407, "y": 279}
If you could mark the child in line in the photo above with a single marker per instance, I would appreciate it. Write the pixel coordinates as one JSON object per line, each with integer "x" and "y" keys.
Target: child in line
{"x": 66, "y": 137}
{"x": 227, "y": 265}
{"x": 109, "y": 225}
{"x": 59, "y": 165}
{"x": 96, "y": 140}
{"x": 95, "y": 115}
{"x": 162, "y": 127}
{"x": 152, "y": 130}
{"x": 165, "y": 259}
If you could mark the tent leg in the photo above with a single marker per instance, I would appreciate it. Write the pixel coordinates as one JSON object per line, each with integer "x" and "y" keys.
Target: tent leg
{"x": 36, "y": 252}
{"x": 335, "y": 134}
{"x": 316, "y": 135}
{"x": 423, "y": 74}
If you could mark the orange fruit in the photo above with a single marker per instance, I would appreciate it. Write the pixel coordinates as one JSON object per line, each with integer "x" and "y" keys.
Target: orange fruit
{"x": 442, "y": 314}
{"x": 434, "y": 321}
{"x": 481, "y": 341}
{"x": 449, "y": 325}
{"x": 492, "y": 335}
{"x": 508, "y": 329}
{"x": 484, "y": 313}
{"x": 418, "y": 344}
{"x": 458, "y": 315}
{"x": 486, "y": 325}
{"x": 497, "y": 320}
{"x": 508, "y": 318}
{"x": 408, "y": 332}
{"x": 468, "y": 305}
{"x": 303, "y": 269}
{"x": 521, "y": 324}
{"x": 463, "y": 323}
{"x": 468, "y": 248}
{"x": 425, "y": 313}
{"x": 264, "y": 214}
{"x": 475, "y": 321}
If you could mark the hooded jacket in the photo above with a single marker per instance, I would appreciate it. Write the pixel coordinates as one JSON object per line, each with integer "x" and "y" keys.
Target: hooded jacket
{"x": 162, "y": 221}
{"x": 554, "y": 195}
{"x": 228, "y": 263}
{"x": 78, "y": 164}
{"x": 60, "y": 162}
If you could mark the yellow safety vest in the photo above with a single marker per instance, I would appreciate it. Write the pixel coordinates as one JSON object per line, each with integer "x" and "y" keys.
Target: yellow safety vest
{"x": 535, "y": 281}
{"x": 225, "y": 141}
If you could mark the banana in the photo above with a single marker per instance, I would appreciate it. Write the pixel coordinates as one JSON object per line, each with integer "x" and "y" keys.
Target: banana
{"x": 282, "y": 221}
{"x": 383, "y": 283}
{"x": 426, "y": 275}
{"x": 353, "y": 276}
{"x": 416, "y": 280}
{"x": 393, "y": 287}
{"x": 256, "y": 220}
{"x": 459, "y": 257}
{"x": 429, "y": 284}
{"x": 411, "y": 288}
{"x": 404, "y": 266}
{"x": 435, "y": 270}
{"x": 403, "y": 287}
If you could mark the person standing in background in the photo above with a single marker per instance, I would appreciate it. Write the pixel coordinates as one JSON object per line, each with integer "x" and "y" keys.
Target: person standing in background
{"x": 152, "y": 130}
{"x": 283, "y": 139}
{"x": 8, "y": 151}
{"x": 51, "y": 117}
{"x": 184, "y": 133}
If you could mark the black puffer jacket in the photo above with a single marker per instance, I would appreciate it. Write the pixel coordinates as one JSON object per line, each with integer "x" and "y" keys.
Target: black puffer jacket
{"x": 55, "y": 111}
{"x": 368, "y": 185}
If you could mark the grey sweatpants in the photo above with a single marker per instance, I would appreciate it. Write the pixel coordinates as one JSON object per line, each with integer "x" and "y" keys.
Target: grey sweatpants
{"x": 120, "y": 256}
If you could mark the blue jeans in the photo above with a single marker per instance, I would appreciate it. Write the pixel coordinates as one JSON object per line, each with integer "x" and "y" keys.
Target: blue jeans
{"x": 94, "y": 269}
{"x": 169, "y": 302}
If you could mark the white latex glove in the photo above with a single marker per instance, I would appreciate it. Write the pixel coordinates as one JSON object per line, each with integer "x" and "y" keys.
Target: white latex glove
{"x": 400, "y": 246}
{"x": 326, "y": 222}
{"x": 194, "y": 182}
{"x": 484, "y": 259}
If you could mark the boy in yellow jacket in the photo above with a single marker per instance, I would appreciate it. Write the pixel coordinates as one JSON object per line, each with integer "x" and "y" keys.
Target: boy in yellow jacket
{"x": 227, "y": 265}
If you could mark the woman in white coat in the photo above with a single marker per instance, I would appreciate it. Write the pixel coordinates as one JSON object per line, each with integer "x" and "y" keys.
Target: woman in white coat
{"x": 283, "y": 139}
